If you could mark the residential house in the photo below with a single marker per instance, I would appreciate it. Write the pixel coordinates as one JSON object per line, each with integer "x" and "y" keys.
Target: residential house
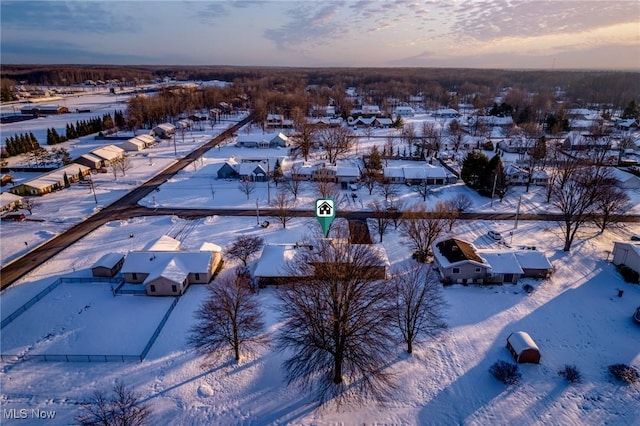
{"x": 346, "y": 174}
{"x": 324, "y": 174}
{"x": 459, "y": 262}
{"x": 404, "y": 111}
{"x": 108, "y": 265}
{"x": 624, "y": 179}
{"x": 108, "y": 154}
{"x": 9, "y": 201}
{"x": 164, "y": 130}
{"x": 446, "y": 113}
{"x": 228, "y": 170}
{"x": 518, "y": 176}
{"x": 169, "y": 272}
{"x": 277, "y": 263}
{"x": 627, "y": 253}
{"x": 51, "y": 181}
{"x": 253, "y": 171}
{"x": 44, "y": 109}
{"x": 91, "y": 161}
{"x": 418, "y": 173}
{"x": 138, "y": 143}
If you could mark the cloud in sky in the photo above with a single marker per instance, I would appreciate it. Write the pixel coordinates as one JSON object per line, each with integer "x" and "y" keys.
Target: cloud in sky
{"x": 513, "y": 33}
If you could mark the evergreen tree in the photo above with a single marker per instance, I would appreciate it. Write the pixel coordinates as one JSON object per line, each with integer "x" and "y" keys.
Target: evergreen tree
{"x": 49, "y": 137}
{"x": 375, "y": 162}
{"x": 67, "y": 184}
{"x": 277, "y": 172}
{"x": 493, "y": 173}
{"x": 632, "y": 110}
{"x": 473, "y": 169}
{"x": 80, "y": 175}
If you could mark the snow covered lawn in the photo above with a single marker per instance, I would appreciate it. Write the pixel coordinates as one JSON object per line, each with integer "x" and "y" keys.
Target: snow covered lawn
{"x": 575, "y": 317}
{"x": 85, "y": 319}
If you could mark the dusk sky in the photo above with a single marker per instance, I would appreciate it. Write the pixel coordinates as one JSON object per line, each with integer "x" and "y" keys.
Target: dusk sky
{"x": 483, "y": 34}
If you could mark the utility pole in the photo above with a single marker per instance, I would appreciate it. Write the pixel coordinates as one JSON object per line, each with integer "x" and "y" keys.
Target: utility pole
{"x": 518, "y": 211}
{"x": 268, "y": 183}
{"x": 92, "y": 188}
{"x": 493, "y": 192}
{"x": 257, "y": 212}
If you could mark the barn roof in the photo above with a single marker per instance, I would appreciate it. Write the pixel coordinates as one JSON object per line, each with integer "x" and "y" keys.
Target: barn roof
{"x": 521, "y": 341}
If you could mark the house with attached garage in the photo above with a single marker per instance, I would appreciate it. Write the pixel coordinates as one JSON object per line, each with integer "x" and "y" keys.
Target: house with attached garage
{"x": 627, "y": 253}
{"x": 52, "y": 181}
{"x": 163, "y": 269}
{"x": 461, "y": 262}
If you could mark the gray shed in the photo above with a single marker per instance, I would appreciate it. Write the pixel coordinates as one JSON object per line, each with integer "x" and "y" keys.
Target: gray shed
{"x": 108, "y": 265}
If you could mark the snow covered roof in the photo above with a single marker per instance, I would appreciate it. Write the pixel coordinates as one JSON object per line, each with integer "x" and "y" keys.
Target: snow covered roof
{"x": 171, "y": 264}
{"x": 210, "y": 247}
{"x": 164, "y": 243}
{"x": 109, "y": 260}
{"x": 56, "y": 176}
{"x": 167, "y": 127}
{"x": 246, "y": 169}
{"x": 91, "y": 158}
{"x": 502, "y": 262}
{"x": 347, "y": 171}
{"x": 532, "y": 259}
{"x": 7, "y": 198}
{"x": 393, "y": 172}
{"x": 275, "y": 258}
{"x": 521, "y": 341}
{"x": 108, "y": 152}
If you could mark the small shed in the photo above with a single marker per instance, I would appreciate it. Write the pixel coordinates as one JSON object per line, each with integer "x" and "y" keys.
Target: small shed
{"x": 108, "y": 265}
{"x": 523, "y": 348}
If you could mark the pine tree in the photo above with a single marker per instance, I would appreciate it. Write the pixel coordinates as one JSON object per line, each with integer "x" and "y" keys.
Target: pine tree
{"x": 67, "y": 184}
{"x": 473, "y": 168}
{"x": 375, "y": 162}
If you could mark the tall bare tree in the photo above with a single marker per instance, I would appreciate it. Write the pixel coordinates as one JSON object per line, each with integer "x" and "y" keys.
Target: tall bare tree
{"x": 122, "y": 407}
{"x": 292, "y": 185}
{"x": 125, "y": 164}
{"x": 247, "y": 187}
{"x": 282, "y": 208}
{"x": 244, "y": 247}
{"x": 575, "y": 195}
{"x": 612, "y": 201}
{"x": 421, "y": 188}
{"x": 230, "y": 318}
{"x": 419, "y": 303}
{"x": 450, "y": 213}
{"x": 388, "y": 190}
{"x": 381, "y": 220}
{"x": 336, "y": 141}
{"x": 304, "y": 137}
{"x": 421, "y": 228}
{"x": 338, "y": 324}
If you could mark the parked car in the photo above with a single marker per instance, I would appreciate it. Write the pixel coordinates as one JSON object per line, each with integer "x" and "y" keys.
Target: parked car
{"x": 495, "y": 235}
{"x": 18, "y": 217}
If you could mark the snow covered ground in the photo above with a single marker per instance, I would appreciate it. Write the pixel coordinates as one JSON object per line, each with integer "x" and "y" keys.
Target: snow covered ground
{"x": 575, "y": 318}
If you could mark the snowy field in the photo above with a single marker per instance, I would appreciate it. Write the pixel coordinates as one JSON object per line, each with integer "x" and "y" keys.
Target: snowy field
{"x": 575, "y": 318}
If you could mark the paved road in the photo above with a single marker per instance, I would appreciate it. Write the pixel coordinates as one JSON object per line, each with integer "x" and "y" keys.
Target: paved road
{"x": 122, "y": 208}
{"x": 127, "y": 207}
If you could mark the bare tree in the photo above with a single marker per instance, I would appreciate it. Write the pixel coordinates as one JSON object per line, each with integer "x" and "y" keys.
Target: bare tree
{"x": 292, "y": 185}
{"x": 396, "y": 210}
{"x": 381, "y": 221}
{"x": 450, "y": 213}
{"x": 421, "y": 188}
{"x": 230, "y": 318}
{"x": 247, "y": 187}
{"x": 337, "y": 328}
{"x": 114, "y": 167}
{"x": 336, "y": 141}
{"x": 575, "y": 195}
{"x": 462, "y": 202}
{"x": 370, "y": 180}
{"x": 29, "y": 204}
{"x": 421, "y": 228}
{"x": 125, "y": 164}
{"x": 122, "y": 407}
{"x": 283, "y": 208}
{"x": 611, "y": 203}
{"x": 304, "y": 137}
{"x": 419, "y": 304}
{"x": 327, "y": 189}
{"x": 244, "y": 247}
{"x": 388, "y": 190}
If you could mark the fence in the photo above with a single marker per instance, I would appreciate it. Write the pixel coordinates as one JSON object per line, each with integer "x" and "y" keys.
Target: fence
{"x": 156, "y": 333}
{"x": 69, "y": 358}
{"x": 8, "y": 320}
{"x": 13, "y": 358}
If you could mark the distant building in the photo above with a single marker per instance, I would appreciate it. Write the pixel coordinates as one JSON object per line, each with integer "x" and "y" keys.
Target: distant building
{"x": 164, "y": 130}
{"x": 51, "y": 181}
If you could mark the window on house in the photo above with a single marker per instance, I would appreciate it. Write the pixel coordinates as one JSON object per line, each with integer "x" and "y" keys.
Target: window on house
{"x": 134, "y": 276}
{"x": 455, "y": 270}
{"x": 197, "y": 276}
{"x": 174, "y": 288}
{"x": 152, "y": 288}
{"x": 477, "y": 269}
